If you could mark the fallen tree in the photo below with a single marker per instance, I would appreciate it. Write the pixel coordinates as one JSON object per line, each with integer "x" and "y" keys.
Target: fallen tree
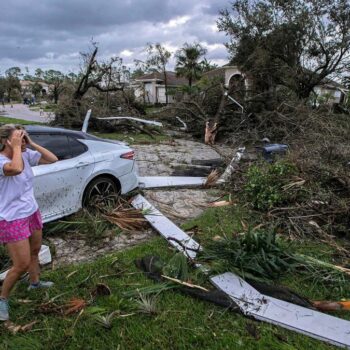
{"x": 100, "y": 86}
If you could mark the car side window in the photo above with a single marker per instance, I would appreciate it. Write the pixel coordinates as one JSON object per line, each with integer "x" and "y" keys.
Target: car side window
{"x": 76, "y": 147}
{"x": 57, "y": 144}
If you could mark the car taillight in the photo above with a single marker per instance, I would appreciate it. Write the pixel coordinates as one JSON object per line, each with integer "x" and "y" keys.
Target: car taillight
{"x": 129, "y": 155}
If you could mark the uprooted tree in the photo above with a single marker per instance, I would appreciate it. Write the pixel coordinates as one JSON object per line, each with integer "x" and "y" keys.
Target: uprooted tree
{"x": 207, "y": 104}
{"x": 285, "y": 49}
{"x": 98, "y": 85}
{"x": 295, "y": 43}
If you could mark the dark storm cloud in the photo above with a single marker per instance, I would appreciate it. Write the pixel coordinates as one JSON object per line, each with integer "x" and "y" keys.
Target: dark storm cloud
{"x": 51, "y": 33}
{"x": 80, "y": 15}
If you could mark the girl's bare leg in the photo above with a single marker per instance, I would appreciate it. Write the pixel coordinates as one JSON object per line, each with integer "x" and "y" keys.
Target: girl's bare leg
{"x": 35, "y": 244}
{"x": 20, "y": 256}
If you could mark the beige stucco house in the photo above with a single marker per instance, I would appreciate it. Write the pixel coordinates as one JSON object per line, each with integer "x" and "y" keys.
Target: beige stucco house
{"x": 330, "y": 91}
{"x": 26, "y": 86}
{"x": 150, "y": 88}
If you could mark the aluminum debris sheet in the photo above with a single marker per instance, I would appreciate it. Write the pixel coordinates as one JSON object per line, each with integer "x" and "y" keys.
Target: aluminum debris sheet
{"x": 170, "y": 181}
{"x": 44, "y": 258}
{"x": 145, "y": 121}
{"x": 315, "y": 324}
{"x": 167, "y": 228}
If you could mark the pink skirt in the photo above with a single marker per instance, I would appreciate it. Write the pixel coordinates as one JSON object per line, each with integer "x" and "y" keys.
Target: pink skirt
{"x": 18, "y": 230}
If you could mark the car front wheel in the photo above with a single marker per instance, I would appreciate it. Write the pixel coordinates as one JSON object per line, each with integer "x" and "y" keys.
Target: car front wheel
{"x": 101, "y": 191}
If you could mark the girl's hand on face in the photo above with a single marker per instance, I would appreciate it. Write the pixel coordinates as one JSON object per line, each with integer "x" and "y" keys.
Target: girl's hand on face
{"x": 27, "y": 139}
{"x": 16, "y": 139}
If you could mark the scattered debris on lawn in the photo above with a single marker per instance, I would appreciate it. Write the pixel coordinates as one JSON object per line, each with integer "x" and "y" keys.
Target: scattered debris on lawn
{"x": 212, "y": 179}
{"x": 147, "y": 304}
{"x": 250, "y": 301}
{"x": 155, "y": 268}
{"x": 16, "y": 328}
{"x": 324, "y": 327}
{"x": 332, "y": 305}
{"x": 101, "y": 289}
{"x": 127, "y": 219}
{"x": 220, "y": 204}
{"x": 177, "y": 267}
{"x": 186, "y": 284}
{"x": 106, "y": 321}
{"x": 71, "y": 274}
{"x": 74, "y": 305}
{"x": 233, "y": 166}
{"x": 184, "y": 125}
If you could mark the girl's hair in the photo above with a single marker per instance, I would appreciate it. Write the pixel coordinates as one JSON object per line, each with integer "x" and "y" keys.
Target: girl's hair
{"x": 6, "y": 131}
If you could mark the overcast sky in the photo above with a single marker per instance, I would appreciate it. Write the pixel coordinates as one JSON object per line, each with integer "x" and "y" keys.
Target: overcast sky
{"x": 51, "y": 33}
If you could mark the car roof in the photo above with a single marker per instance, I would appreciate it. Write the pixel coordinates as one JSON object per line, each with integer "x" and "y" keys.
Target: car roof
{"x": 38, "y": 129}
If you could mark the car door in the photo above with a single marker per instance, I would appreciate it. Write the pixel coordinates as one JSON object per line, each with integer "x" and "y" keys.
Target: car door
{"x": 58, "y": 186}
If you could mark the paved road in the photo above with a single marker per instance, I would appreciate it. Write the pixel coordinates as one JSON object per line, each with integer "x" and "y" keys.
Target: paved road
{"x": 21, "y": 111}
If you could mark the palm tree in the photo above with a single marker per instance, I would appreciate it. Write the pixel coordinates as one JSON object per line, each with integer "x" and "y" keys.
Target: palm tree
{"x": 188, "y": 63}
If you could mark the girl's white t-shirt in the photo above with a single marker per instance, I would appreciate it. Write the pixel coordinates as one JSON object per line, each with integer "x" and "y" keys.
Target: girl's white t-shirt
{"x": 17, "y": 199}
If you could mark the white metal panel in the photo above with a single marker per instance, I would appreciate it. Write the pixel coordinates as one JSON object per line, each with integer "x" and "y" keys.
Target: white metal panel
{"x": 312, "y": 323}
{"x": 170, "y": 181}
{"x": 315, "y": 324}
{"x": 167, "y": 228}
{"x": 86, "y": 121}
{"x": 144, "y": 121}
{"x": 232, "y": 167}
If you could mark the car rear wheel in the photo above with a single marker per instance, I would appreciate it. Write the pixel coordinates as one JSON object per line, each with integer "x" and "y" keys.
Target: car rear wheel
{"x": 102, "y": 191}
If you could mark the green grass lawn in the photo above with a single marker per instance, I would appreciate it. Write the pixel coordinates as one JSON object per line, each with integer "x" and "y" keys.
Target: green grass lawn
{"x": 181, "y": 322}
{"x": 49, "y": 107}
{"x": 6, "y": 120}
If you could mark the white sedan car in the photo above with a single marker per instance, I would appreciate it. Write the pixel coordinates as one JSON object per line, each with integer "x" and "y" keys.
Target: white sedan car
{"x": 88, "y": 166}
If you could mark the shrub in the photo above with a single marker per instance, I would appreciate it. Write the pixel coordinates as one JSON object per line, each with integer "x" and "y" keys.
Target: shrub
{"x": 264, "y": 184}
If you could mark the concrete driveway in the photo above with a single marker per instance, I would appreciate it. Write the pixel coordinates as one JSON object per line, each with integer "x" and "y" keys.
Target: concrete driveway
{"x": 21, "y": 111}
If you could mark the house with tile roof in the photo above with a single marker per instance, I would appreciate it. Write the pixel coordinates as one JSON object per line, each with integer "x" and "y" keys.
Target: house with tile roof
{"x": 330, "y": 91}
{"x": 150, "y": 88}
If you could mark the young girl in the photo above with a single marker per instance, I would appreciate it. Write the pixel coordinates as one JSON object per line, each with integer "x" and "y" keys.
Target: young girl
{"x": 20, "y": 219}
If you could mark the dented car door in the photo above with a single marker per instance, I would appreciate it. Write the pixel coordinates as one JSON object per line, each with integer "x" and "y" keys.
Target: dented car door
{"x": 58, "y": 187}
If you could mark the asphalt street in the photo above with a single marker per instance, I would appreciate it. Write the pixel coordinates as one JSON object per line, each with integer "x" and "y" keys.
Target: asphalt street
{"x": 22, "y": 111}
